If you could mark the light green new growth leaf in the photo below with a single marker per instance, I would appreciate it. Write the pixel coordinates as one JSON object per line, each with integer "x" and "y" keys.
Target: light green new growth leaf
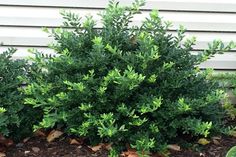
{"x": 231, "y": 152}
{"x": 2, "y": 110}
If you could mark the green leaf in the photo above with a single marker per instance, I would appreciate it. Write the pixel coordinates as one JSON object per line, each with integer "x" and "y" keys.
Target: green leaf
{"x": 231, "y": 152}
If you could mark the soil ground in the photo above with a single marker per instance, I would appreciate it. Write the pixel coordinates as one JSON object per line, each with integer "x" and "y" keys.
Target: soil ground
{"x": 217, "y": 149}
{"x": 39, "y": 147}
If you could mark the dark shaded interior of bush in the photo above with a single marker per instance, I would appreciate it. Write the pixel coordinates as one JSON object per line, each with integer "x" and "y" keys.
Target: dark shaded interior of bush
{"x": 125, "y": 84}
{"x": 16, "y": 119}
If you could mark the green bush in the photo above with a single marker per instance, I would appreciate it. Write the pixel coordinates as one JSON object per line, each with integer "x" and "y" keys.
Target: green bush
{"x": 121, "y": 84}
{"x": 15, "y": 118}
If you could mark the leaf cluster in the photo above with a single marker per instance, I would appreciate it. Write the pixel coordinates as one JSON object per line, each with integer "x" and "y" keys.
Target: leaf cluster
{"x": 16, "y": 119}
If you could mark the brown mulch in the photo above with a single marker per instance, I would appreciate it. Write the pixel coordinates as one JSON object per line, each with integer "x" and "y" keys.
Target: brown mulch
{"x": 39, "y": 147}
{"x": 219, "y": 148}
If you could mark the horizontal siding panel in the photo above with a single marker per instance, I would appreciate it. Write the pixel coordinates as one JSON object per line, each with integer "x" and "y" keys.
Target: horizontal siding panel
{"x": 23, "y": 52}
{"x": 36, "y": 37}
{"x": 21, "y": 22}
{"x": 50, "y": 17}
{"x": 223, "y": 65}
{"x": 185, "y": 5}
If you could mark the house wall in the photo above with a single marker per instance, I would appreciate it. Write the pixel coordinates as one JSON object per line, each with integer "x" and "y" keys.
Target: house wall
{"x": 21, "y": 22}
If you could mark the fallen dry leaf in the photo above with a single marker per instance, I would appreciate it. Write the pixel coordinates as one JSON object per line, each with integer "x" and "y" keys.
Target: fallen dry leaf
{"x": 174, "y": 147}
{"x": 108, "y": 146}
{"x": 130, "y": 153}
{"x": 97, "y": 147}
{"x": 133, "y": 155}
{"x": 53, "y": 135}
{"x": 203, "y": 141}
{"x": 74, "y": 142}
{"x": 2, "y": 154}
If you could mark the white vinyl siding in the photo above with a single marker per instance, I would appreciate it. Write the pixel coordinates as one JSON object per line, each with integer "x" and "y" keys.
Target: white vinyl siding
{"x": 21, "y": 22}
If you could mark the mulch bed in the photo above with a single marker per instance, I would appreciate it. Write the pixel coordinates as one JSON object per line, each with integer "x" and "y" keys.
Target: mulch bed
{"x": 218, "y": 149}
{"x": 39, "y": 147}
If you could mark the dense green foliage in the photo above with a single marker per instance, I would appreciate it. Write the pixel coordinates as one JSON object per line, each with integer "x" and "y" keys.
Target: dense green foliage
{"x": 123, "y": 84}
{"x": 227, "y": 83}
{"x": 15, "y": 118}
